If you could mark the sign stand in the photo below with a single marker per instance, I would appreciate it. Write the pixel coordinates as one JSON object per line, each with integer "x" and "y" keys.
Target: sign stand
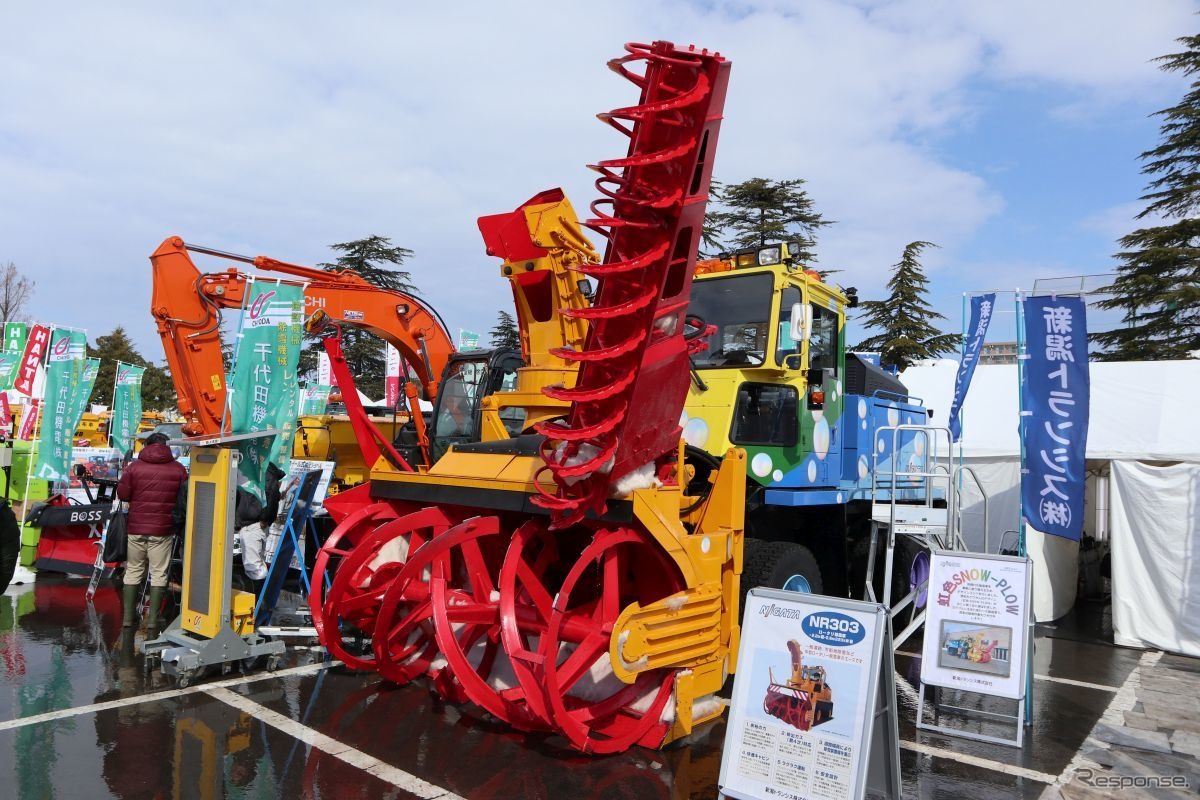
{"x": 1017, "y": 739}
{"x": 298, "y": 516}
{"x": 965, "y": 637}
{"x": 883, "y": 767}
{"x": 831, "y": 729}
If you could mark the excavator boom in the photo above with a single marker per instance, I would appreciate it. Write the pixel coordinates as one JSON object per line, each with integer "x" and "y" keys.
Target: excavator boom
{"x": 185, "y": 303}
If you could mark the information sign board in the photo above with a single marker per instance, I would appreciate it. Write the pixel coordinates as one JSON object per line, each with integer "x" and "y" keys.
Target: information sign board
{"x": 977, "y": 623}
{"x": 813, "y": 713}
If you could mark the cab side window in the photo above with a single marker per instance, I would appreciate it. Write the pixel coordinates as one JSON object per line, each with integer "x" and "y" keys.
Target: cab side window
{"x": 785, "y": 345}
{"x": 766, "y": 414}
{"x": 823, "y": 340}
{"x": 513, "y": 418}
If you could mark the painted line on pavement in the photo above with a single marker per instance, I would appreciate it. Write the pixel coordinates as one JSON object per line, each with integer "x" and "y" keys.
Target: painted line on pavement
{"x": 1051, "y": 678}
{"x": 167, "y": 694}
{"x": 1100, "y": 687}
{"x": 903, "y": 687}
{"x": 976, "y": 761}
{"x": 343, "y": 752}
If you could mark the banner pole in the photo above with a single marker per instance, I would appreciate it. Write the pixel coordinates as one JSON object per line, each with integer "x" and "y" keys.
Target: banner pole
{"x": 1022, "y": 544}
{"x": 112, "y": 407}
{"x": 233, "y": 361}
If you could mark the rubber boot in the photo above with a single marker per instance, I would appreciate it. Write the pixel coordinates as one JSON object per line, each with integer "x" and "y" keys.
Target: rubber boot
{"x": 129, "y": 598}
{"x": 156, "y": 597}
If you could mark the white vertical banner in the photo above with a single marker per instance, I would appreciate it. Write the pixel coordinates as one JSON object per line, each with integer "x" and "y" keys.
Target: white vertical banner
{"x": 325, "y": 376}
{"x": 391, "y": 375}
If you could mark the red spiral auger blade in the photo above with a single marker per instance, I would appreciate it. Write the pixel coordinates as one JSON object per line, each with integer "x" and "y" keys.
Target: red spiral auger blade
{"x": 633, "y": 368}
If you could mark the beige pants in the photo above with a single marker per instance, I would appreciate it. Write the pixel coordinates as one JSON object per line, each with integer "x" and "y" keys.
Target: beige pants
{"x": 142, "y": 549}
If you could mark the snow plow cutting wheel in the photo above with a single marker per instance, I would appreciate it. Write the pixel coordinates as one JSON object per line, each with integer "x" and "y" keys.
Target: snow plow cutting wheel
{"x": 566, "y": 571}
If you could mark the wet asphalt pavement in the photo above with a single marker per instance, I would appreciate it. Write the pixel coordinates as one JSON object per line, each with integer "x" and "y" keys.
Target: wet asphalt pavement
{"x": 310, "y": 731}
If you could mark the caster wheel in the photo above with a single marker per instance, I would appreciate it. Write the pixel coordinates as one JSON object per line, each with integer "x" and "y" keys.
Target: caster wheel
{"x": 273, "y": 663}
{"x": 182, "y": 680}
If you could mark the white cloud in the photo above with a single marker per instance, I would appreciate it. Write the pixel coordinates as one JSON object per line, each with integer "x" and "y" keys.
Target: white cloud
{"x": 1120, "y": 220}
{"x": 280, "y": 128}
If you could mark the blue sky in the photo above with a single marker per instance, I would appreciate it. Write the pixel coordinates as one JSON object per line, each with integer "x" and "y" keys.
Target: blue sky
{"x": 1006, "y": 132}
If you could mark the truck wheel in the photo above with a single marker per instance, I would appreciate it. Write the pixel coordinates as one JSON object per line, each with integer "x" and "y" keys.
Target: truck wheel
{"x": 904, "y": 567}
{"x": 779, "y": 565}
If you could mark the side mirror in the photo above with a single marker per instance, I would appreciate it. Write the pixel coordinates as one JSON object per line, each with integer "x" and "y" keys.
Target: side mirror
{"x": 793, "y": 362}
{"x": 800, "y": 322}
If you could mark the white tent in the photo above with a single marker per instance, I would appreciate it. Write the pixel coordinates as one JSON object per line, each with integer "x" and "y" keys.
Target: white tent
{"x": 1144, "y": 444}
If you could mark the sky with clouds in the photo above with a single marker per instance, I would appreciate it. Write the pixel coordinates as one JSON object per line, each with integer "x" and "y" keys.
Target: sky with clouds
{"x": 1005, "y": 132}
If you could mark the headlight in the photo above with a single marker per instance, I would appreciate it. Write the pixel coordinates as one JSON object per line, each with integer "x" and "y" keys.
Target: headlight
{"x": 768, "y": 256}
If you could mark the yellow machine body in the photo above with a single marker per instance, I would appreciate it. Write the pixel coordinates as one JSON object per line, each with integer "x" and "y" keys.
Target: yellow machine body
{"x": 330, "y": 437}
{"x": 206, "y": 603}
{"x": 694, "y": 631}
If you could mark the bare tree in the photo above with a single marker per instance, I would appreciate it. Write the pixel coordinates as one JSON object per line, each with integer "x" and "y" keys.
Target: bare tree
{"x": 15, "y": 290}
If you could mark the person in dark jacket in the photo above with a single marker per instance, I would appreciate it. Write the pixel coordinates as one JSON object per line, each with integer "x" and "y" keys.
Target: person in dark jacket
{"x": 150, "y": 485}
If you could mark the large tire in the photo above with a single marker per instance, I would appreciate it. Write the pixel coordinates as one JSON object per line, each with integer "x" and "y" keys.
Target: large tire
{"x": 772, "y": 564}
{"x": 907, "y": 550}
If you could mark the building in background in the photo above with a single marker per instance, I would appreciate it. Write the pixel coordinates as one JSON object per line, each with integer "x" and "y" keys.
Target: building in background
{"x": 998, "y": 353}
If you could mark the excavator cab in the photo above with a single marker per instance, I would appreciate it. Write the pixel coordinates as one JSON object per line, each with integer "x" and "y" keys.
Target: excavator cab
{"x": 469, "y": 377}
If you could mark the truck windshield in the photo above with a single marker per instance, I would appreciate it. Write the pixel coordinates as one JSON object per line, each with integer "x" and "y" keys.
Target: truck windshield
{"x": 740, "y": 307}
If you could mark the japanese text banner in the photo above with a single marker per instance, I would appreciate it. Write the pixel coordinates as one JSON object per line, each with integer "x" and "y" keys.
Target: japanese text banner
{"x": 314, "y": 400}
{"x": 265, "y": 392}
{"x": 1055, "y": 401}
{"x": 69, "y": 379}
{"x": 127, "y": 406}
{"x": 31, "y": 359}
{"x": 981, "y": 317}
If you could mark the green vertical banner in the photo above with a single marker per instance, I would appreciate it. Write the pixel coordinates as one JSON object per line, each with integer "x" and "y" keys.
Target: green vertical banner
{"x": 8, "y": 369}
{"x": 14, "y": 337}
{"x": 127, "y": 406}
{"x": 264, "y": 392}
{"x": 314, "y": 400}
{"x": 66, "y": 395}
{"x": 467, "y": 340}
{"x": 81, "y": 392}
{"x": 11, "y": 352}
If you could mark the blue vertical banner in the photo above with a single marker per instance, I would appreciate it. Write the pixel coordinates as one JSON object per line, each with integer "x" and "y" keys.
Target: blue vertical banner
{"x": 1055, "y": 401}
{"x": 981, "y": 317}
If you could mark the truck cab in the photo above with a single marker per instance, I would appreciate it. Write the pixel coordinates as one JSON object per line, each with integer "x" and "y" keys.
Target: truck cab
{"x": 776, "y": 380}
{"x": 771, "y": 379}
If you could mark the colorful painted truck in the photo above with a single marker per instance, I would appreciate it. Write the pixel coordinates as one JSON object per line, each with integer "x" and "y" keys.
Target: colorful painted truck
{"x": 776, "y": 380}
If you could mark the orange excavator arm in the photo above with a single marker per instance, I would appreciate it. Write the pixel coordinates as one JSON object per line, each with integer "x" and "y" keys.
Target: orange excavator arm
{"x": 185, "y": 303}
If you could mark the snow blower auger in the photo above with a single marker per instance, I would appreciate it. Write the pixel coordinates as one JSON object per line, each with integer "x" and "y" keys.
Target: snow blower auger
{"x": 572, "y": 571}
